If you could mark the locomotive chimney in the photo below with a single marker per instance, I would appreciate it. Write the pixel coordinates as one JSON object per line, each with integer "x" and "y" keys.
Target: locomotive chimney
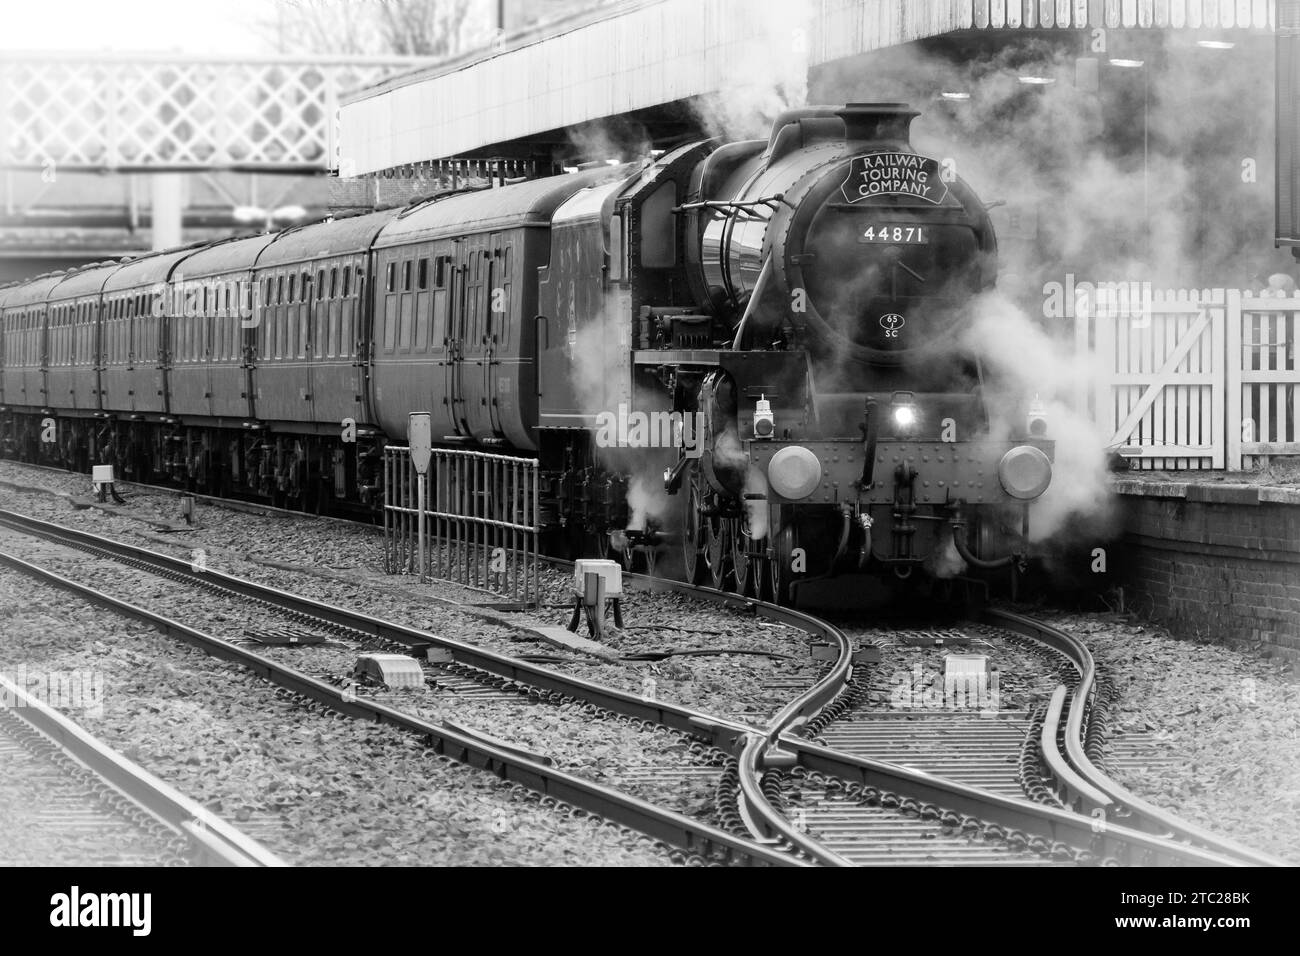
{"x": 876, "y": 121}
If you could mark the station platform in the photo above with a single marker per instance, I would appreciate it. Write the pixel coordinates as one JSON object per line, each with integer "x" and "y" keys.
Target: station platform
{"x": 1214, "y": 555}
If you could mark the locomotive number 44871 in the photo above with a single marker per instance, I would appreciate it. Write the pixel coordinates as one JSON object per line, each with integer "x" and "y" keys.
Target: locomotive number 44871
{"x": 910, "y": 234}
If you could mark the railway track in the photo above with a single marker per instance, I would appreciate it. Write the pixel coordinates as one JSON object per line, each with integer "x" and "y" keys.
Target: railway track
{"x": 72, "y": 800}
{"x": 459, "y": 667}
{"x": 844, "y": 808}
{"x": 975, "y": 726}
{"x": 913, "y": 796}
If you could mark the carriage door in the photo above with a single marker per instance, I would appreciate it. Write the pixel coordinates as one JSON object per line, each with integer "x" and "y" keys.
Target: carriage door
{"x": 457, "y": 332}
{"x": 496, "y": 317}
{"x": 475, "y": 341}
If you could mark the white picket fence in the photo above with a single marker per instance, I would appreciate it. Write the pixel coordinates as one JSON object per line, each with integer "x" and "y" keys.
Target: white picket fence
{"x": 1195, "y": 379}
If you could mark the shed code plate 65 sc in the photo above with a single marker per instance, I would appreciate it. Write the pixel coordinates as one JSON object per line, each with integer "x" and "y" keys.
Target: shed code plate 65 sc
{"x": 914, "y": 235}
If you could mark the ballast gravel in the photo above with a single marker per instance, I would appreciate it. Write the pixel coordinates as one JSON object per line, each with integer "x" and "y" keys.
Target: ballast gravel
{"x": 1220, "y": 728}
{"x": 314, "y": 789}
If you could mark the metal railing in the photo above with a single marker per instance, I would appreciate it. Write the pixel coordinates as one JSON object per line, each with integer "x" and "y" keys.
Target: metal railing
{"x": 479, "y": 514}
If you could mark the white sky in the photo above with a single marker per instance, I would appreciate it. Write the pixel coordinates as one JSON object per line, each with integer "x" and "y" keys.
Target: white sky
{"x": 188, "y": 26}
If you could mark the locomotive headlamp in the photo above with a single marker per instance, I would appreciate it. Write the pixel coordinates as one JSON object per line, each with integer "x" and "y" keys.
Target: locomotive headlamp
{"x": 1036, "y": 421}
{"x": 903, "y": 410}
{"x": 794, "y": 472}
{"x": 1025, "y": 472}
{"x": 764, "y": 424}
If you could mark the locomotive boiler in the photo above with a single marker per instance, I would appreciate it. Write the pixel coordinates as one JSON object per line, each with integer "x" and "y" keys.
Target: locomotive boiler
{"x": 743, "y": 357}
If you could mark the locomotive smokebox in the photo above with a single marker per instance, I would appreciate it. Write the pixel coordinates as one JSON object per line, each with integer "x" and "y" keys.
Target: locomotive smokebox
{"x": 874, "y": 122}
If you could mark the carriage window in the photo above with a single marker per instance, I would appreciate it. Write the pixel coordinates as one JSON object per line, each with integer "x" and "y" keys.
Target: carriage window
{"x": 334, "y": 283}
{"x": 440, "y": 272}
{"x": 422, "y": 275}
{"x": 320, "y": 285}
{"x": 347, "y": 276}
{"x": 422, "y": 320}
{"x": 292, "y": 287}
{"x": 306, "y": 286}
{"x": 390, "y": 325}
{"x": 390, "y": 276}
{"x": 504, "y": 281}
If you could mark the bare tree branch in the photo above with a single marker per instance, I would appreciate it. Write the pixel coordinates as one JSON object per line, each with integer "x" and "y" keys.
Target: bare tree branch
{"x": 367, "y": 27}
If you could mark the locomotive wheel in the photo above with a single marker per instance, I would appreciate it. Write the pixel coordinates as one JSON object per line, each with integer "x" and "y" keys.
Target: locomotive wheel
{"x": 717, "y": 550}
{"x": 779, "y": 574}
{"x": 738, "y": 542}
{"x": 692, "y": 539}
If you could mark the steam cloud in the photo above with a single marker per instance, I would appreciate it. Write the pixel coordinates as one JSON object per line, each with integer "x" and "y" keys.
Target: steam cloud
{"x": 1163, "y": 176}
{"x": 1025, "y": 360}
{"x": 766, "y": 72}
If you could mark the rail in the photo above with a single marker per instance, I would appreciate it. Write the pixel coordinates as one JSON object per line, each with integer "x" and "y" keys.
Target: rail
{"x": 1087, "y": 786}
{"x": 472, "y": 748}
{"x": 212, "y": 841}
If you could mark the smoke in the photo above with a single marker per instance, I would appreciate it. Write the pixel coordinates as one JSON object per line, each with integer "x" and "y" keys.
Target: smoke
{"x": 619, "y": 138}
{"x": 1160, "y": 173}
{"x": 1023, "y": 360}
{"x": 645, "y": 499}
{"x": 1155, "y": 174}
{"x": 599, "y": 351}
{"x": 756, "y": 508}
{"x": 944, "y": 561}
{"x": 766, "y": 70}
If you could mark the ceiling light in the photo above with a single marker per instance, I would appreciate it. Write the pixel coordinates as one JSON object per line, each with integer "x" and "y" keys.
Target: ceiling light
{"x": 1037, "y": 80}
{"x": 951, "y": 95}
{"x": 1127, "y": 64}
{"x": 1216, "y": 44}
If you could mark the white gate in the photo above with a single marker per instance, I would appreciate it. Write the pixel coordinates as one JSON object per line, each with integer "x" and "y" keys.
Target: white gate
{"x": 1196, "y": 379}
{"x": 1264, "y": 381}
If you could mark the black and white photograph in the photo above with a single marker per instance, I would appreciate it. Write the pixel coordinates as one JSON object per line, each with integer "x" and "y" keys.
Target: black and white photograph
{"x": 763, "y": 434}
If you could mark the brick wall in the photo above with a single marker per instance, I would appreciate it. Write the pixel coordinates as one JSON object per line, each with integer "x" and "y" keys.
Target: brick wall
{"x": 1215, "y": 560}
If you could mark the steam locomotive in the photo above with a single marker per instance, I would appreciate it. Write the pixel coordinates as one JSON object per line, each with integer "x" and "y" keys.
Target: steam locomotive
{"x": 743, "y": 355}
